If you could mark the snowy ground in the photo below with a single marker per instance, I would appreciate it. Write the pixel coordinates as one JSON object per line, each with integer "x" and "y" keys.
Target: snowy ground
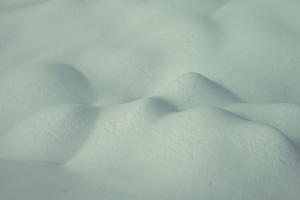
{"x": 149, "y": 99}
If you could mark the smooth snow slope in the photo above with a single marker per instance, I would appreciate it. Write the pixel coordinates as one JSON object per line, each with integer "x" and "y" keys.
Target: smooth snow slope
{"x": 148, "y": 99}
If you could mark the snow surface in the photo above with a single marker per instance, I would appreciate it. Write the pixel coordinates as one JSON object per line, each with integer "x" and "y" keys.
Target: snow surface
{"x": 148, "y": 99}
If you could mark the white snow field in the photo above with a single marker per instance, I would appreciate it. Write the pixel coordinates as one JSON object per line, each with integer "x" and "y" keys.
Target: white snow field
{"x": 149, "y": 100}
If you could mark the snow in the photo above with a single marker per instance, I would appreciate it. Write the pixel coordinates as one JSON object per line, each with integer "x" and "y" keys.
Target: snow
{"x": 147, "y": 99}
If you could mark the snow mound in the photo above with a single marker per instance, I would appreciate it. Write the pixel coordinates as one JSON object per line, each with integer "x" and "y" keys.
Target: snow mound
{"x": 26, "y": 90}
{"x": 144, "y": 99}
{"x": 191, "y": 154}
{"x": 54, "y": 134}
{"x": 192, "y": 90}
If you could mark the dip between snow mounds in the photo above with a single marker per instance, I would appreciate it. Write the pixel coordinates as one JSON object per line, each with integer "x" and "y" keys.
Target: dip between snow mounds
{"x": 283, "y": 116}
